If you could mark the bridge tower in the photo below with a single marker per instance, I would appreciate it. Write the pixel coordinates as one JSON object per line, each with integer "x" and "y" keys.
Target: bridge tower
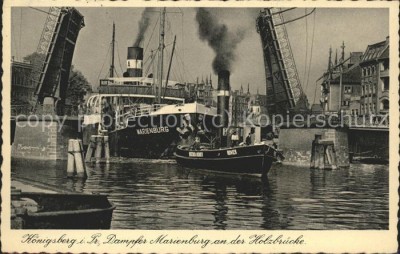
{"x": 283, "y": 88}
{"x": 55, "y": 51}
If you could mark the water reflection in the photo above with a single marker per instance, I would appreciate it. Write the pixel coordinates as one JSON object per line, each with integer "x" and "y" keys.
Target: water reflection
{"x": 159, "y": 195}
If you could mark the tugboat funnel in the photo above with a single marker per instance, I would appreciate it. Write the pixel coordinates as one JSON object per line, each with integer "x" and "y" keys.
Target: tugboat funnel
{"x": 223, "y": 103}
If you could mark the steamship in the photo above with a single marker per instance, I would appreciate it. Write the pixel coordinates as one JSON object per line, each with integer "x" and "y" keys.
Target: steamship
{"x": 142, "y": 118}
{"x": 240, "y": 158}
{"x": 145, "y": 116}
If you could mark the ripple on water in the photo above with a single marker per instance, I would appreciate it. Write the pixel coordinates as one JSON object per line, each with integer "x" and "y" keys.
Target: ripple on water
{"x": 153, "y": 194}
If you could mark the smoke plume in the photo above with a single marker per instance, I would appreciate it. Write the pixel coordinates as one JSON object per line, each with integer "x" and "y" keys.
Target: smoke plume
{"x": 219, "y": 38}
{"x": 143, "y": 24}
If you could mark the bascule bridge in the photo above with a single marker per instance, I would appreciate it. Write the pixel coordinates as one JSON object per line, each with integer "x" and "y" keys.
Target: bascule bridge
{"x": 283, "y": 88}
{"x": 285, "y": 95}
{"x": 56, "y": 47}
{"x": 45, "y": 136}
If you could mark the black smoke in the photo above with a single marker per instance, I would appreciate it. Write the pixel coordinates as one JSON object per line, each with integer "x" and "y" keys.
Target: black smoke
{"x": 143, "y": 25}
{"x": 219, "y": 38}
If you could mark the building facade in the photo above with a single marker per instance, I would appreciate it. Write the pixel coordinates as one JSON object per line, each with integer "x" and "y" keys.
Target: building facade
{"x": 375, "y": 79}
{"x": 245, "y": 105}
{"x": 22, "y": 87}
{"x": 202, "y": 92}
{"x": 341, "y": 86}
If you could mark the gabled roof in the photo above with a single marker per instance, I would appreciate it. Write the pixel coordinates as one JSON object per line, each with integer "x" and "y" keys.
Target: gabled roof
{"x": 349, "y": 76}
{"x": 375, "y": 51}
{"x": 385, "y": 54}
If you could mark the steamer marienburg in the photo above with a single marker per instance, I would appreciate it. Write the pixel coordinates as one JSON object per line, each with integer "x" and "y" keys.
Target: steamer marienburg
{"x": 145, "y": 116}
{"x": 141, "y": 122}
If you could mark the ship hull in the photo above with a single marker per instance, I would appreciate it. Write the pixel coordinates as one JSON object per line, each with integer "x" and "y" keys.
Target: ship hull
{"x": 156, "y": 136}
{"x": 242, "y": 159}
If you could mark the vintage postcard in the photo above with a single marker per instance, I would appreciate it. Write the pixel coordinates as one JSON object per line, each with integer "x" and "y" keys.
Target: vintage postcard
{"x": 201, "y": 127}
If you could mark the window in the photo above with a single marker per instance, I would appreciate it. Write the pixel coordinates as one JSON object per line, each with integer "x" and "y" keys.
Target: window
{"x": 385, "y": 104}
{"x": 373, "y": 88}
{"x": 362, "y": 90}
{"x": 345, "y": 103}
{"x": 347, "y": 89}
{"x": 385, "y": 65}
{"x": 385, "y": 84}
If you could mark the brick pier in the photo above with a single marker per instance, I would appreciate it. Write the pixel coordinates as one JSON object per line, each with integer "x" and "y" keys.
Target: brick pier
{"x": 44, "y": 139}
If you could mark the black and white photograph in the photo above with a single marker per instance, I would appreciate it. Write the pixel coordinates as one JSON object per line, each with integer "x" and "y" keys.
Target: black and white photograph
{"x": 194, "y": 127}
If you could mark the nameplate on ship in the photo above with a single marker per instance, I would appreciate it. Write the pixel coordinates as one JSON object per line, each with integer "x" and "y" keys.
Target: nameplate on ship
{"x": 195, "y": 154}
{"x": 154, "y": 130}
{"x": 231, "y": 152}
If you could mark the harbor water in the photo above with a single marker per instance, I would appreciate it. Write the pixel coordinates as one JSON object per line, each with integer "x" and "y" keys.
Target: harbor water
{"x": 158, "y": 194}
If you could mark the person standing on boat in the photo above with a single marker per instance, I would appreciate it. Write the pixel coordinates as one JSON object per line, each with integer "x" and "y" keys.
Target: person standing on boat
{"x": 234, "y": 138}
{"x": 248, "y": 139}
{"x": 196, "y": 144}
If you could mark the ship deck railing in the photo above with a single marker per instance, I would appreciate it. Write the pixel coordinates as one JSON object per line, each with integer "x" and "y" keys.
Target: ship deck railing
{"x": 122, "y": 117}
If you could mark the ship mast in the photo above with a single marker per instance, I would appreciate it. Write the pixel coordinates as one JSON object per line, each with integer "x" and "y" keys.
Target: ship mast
{"x": 112, "y": 52}
{"x": 169, "y": 66}
{"x": 161, "y": 55}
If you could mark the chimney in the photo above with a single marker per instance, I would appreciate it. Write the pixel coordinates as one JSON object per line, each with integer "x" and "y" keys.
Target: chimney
{"x": 134, "y": 62}
{"x": 223, "y": 104}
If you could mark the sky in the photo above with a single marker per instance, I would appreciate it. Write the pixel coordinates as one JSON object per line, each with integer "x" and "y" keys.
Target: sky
{"x": 357, "y": 27}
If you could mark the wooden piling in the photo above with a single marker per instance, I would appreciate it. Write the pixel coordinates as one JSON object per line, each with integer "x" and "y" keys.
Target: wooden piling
{"x": 106, "y": 149}
{"x": 312, "y": 160}
{"x": 90, "y": 149}
{"x": 80, "y": 167}
{"x": 99, "y": 147}
{"x": 320, "y": 157}
{"x": 332, "y": 155}
{"x": 315, "y": 152}
{"x": 81, "y": 148}
{"x": 323, "y": 154}
{"x": 71, "y": 160}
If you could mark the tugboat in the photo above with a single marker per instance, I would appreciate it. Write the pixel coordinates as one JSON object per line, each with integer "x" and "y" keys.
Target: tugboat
{"x": 244, "y": 158}
{"x": 241, "y": 159}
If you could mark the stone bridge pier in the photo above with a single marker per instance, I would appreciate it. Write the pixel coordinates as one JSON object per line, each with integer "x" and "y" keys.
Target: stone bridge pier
{"x": 296, "y": 144}
{"x": 43, "y": 137}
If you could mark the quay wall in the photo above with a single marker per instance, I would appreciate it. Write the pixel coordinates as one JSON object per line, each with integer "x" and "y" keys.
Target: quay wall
{"x": 296, "y": 144}
{"x": 43, "y": 140}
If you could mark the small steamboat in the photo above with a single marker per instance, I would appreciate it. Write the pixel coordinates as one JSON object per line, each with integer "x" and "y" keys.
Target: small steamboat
{"x": 243, "y": 158}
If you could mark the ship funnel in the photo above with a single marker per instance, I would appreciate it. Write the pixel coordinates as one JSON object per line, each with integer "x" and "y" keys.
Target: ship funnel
{"x": 134, "y": 62}
{"x": 223, "y": 103}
